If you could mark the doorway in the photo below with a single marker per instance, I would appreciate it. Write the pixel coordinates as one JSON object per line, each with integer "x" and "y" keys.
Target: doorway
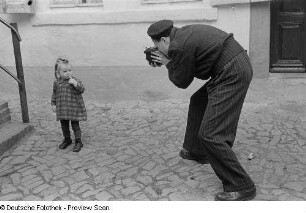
{"x": 288, "y": 36}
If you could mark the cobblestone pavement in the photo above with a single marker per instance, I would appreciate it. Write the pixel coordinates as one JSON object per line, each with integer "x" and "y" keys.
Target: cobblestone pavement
{"x": 131, "y": 153}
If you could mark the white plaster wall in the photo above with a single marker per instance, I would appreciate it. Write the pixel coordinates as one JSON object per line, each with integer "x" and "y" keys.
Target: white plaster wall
{"x": 113, "y": 35}
{"x": 260, "y": 39}
{"x": 235, "y": 19}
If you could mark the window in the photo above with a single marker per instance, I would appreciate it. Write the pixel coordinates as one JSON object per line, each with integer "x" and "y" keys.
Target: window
{"x": 165, "y": 1}
{"x": 76, "y": 3}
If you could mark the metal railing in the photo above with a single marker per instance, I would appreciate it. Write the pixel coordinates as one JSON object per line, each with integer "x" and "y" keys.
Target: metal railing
{"x": 12, "y": 28}
{"x": 11, "y": 74}
{"x": 19, "y": 68}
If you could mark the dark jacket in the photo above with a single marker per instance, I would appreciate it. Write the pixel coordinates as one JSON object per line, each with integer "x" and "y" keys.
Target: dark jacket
{"x": 199, "y": 51}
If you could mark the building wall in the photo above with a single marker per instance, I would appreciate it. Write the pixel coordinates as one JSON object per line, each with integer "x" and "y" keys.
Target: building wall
{"x": 112, "y": 35}
{"x": 105, "y": 44}
{"x": 260, "y": 38}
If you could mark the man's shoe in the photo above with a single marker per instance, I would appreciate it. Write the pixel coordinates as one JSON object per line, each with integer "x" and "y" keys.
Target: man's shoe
{"x": 185, "y": 154}
{"x": 78, "y": 145}
{"x": 243, "y": 195}
{"x": 65, "y": 143}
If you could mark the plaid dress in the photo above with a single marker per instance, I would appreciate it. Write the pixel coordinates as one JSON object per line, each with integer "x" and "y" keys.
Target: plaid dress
{"x": 68, "y": 100}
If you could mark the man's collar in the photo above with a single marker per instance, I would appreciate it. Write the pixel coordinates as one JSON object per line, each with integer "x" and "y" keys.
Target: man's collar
{"x": 173, "y": 32}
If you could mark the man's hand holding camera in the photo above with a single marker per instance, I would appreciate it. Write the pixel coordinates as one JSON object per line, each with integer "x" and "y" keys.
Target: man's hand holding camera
{"x": 159, "y": 57}
{"x": 155, "y": 57}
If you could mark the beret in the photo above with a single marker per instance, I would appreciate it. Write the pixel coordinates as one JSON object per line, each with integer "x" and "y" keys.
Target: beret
{"x": 160, "y": 29}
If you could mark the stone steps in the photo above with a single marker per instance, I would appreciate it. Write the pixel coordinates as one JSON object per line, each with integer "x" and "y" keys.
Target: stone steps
{"x": 5, "y": 114}
{"x": 10, "y": 132}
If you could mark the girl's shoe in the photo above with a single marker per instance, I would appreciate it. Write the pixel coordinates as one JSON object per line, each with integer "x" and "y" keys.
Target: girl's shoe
{"x": 78, "y": 145}
{"x": 65, "y": 143}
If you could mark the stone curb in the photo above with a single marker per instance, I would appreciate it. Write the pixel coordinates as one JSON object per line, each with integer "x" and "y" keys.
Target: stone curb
{"x": 11, "y": 133}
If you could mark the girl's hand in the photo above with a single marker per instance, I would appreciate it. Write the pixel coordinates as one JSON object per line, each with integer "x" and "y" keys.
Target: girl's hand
{"x": 53, "y": 108}
{"x": 72, "y": 81}
{"x": 159, "y": 57}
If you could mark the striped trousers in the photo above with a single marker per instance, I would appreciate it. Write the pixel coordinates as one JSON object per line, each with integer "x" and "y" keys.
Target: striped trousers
{"x": 213, "y": 116}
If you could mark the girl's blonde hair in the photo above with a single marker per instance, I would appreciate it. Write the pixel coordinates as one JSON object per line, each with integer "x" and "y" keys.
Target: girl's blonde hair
{"x": 59, "y": 61}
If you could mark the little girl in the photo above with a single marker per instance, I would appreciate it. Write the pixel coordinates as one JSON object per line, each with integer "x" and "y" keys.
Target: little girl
{"x": 68, "y": 103}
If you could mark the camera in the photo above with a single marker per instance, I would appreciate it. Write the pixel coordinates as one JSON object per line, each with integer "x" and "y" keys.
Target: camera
{"x": 148, "y": 52}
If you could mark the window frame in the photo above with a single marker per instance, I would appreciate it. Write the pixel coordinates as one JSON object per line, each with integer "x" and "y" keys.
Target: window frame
{"x": 166, "y": 1}
{"x": 74, "y": 3}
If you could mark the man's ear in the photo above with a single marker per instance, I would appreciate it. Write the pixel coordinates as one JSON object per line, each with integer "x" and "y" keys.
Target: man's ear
{"x": 166, "y": 40}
